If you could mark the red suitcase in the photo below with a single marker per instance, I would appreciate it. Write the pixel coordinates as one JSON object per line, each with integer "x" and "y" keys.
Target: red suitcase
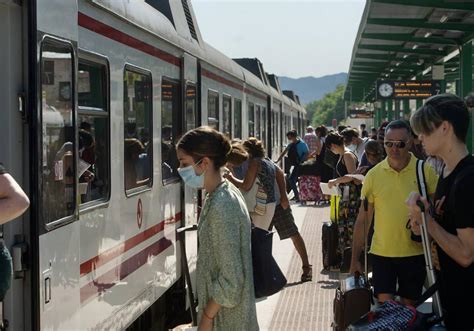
{"x": 309, "y": 188}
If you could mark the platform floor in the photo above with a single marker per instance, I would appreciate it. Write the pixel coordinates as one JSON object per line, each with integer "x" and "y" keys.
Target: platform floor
{"x": 301, "y": 306}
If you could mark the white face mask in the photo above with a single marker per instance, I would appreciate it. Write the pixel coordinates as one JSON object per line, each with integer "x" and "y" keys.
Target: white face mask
{"x": 190, "y": 177}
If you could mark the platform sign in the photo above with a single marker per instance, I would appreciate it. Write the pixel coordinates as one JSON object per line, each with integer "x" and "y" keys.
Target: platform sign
{"x": 407, "y": 89}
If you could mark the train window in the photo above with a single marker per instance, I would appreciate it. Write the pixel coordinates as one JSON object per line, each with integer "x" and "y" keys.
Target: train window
{"x": 226, "y": 115}
{"x": 237, "y": 118}
{"x": 93, "y": 127}
{"x": 213, "y": 109}
{"x": 170, "y": 109}
{"x": 137, "y": 119}
{"x": 251, "y": 117}
{"x": 58, "y": 139}
{"x": 191, "y": 115}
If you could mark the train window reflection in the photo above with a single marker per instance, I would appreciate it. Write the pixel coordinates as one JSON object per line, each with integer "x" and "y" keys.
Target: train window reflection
{"x": 226, "y": 115}
{"x": 237, "y": 118}
{"x": 138, "y": 151}
{"x": 170, "y": 109}
{"x": 213, "y": 110}
{"x": 251, "y": 117}
{"x": 58, "y": 143}
{"x": 190, "y": 107}
{"x": 93, "y": 132}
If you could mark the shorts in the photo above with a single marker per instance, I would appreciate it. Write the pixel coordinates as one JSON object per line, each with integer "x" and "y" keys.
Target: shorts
{"x": 284, "y": 222}
{"x": 409, "y": 272}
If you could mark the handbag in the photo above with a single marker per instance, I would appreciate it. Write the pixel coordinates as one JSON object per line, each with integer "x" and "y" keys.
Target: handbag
{"x": 268, "y": 278}
{"x": 255, "y": 198}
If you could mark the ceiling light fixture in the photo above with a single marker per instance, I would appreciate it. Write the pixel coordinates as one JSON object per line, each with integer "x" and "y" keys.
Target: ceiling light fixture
{"x": 427, "y": 34}
{"x": 397, "y": 64}
{"x": 415, "y": 46}
{"x": 443, "y": 19}
{"x": 405, "y": 56}
{"x": 391, "y": 70}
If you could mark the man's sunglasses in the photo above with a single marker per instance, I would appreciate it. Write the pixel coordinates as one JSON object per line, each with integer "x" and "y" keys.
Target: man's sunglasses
{"x": 397, "y": 144}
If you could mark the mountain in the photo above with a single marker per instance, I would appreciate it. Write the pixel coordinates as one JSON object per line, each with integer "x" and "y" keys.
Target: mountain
{"x": 312, "y": 88}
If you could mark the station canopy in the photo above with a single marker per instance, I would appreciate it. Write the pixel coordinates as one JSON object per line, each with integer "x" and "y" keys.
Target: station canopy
{"x": 403, "y": 39}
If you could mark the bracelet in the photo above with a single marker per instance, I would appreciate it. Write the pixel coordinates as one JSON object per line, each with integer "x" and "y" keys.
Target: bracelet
{"x": 207, "y": 316}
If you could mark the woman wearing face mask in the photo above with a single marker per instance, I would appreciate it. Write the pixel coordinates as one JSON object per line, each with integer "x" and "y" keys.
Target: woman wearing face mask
{"x": 224, "y": 266}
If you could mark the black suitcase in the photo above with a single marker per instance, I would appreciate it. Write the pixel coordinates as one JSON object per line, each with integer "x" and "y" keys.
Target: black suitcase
{"x": 330, "y": 245}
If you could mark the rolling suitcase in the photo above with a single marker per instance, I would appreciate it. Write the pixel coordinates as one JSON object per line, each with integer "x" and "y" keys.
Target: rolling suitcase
{"x": 352, "y": 300}
{"x": 309, "y": 188}
{"x": 330, "y": 245}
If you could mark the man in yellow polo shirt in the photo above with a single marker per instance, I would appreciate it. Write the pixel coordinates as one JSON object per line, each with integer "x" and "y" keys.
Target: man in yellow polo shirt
{"x": 396, "y": 258}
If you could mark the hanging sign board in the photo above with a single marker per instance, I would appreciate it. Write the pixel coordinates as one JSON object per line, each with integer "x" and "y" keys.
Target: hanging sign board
{"x": 408, "y": 89}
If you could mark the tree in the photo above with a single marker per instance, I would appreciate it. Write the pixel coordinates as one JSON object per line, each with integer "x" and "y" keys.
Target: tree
{"x": 330, "y": 106}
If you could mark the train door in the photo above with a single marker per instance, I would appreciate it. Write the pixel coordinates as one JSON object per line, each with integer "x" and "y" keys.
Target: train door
{"x": 56, "y": 207}
{"x": 14, "y": 156}
{"x": 191, "y": 120}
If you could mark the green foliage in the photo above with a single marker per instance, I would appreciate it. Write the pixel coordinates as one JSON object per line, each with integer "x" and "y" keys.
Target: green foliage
{"x": 329, "y": 107}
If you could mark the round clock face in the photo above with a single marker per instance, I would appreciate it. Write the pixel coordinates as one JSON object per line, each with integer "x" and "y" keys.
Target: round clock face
{"x": 385, "y": 90}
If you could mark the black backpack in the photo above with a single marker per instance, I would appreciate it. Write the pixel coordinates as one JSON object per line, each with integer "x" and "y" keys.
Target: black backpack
{"x": 293, "y": 158}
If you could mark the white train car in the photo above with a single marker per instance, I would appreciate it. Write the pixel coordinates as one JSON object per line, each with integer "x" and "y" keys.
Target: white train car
{"x": 94, "y": 97}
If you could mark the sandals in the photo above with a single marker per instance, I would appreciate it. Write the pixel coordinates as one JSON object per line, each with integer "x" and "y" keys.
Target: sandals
{"x": 307, "y": 275}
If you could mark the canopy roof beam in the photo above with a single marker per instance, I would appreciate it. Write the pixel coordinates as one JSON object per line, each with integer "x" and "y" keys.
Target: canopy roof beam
{"x": 420, "y": 23}
{"x": 399, "y": 49}
{"x": 407, "y": 37}
{"x": 461, "y": 5}
{"x": 386, "y": 57}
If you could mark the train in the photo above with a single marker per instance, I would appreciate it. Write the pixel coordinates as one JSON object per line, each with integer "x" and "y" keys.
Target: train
{"x": 95, "y": 94}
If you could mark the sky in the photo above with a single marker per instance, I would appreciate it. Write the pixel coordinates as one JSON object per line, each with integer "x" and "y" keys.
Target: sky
{"x": 292, "y": 38}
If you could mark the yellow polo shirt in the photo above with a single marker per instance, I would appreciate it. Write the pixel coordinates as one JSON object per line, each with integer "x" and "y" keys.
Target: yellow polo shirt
{"x": 388, "y": 190}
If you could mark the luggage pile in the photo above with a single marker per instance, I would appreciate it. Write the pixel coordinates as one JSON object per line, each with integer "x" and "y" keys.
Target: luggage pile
{"x": 337, "y": 234}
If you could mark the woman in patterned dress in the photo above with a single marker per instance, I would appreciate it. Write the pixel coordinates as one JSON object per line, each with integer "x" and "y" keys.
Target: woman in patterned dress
{"x": 225, "y": 287}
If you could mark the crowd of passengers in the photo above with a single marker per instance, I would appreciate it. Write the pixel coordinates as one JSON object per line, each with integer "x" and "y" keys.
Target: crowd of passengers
{"x": 387, "y": 157}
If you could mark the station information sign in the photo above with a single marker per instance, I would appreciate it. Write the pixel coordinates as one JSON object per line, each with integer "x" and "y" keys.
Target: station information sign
{"x": 407, "y": 89}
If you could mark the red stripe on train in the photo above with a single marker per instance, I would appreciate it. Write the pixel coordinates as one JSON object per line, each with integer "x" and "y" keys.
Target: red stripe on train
{"x": 110, "y": 254}
{"x": 217, "y": 78}
{"x": 120, "y": 272}
{"x": 117, "y": 35}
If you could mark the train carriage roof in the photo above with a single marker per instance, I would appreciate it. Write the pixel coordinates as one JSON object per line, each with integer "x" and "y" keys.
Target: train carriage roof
{"x": 219, "y": 60}
{"x": 141, "y": 14}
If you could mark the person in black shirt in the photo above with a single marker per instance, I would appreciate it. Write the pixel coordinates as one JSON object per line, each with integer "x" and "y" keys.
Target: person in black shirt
{"x": 442, "y": 125}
